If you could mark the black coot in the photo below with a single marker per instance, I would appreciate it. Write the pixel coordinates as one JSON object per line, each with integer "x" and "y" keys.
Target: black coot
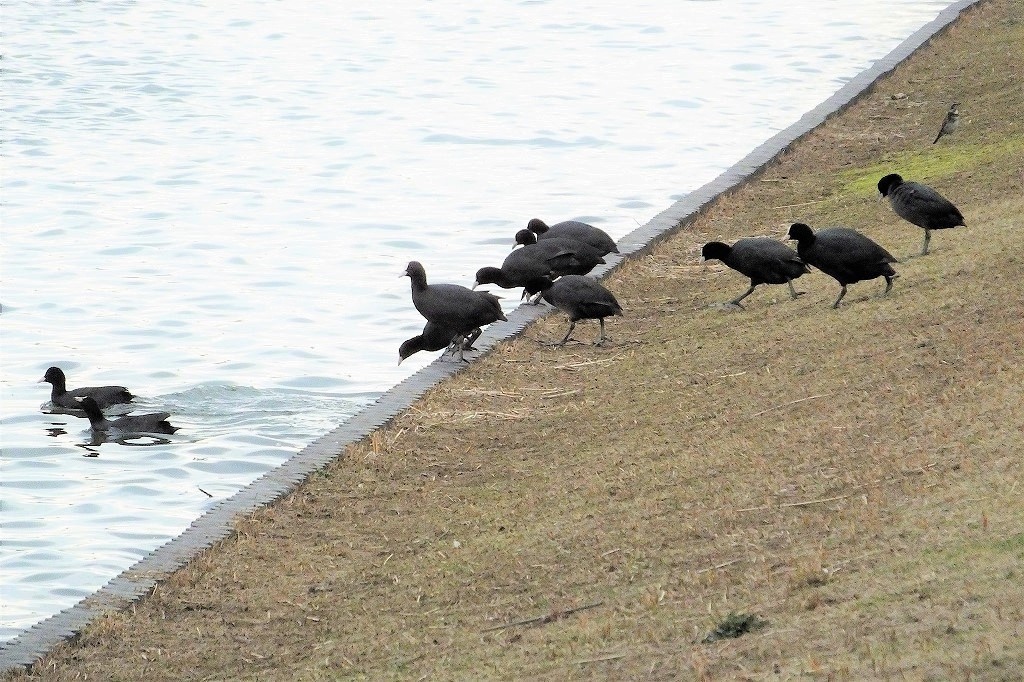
{"x": 155, "y": 422}
{"x": 574, "y": 229}
{"x": 437, "y": 337}
{"x": 584, "y": 256}
{"x": 844, "y": 254}
{"x": 582, "y": 298}
{"x": 532, "y": 267}
{"x": 105, "y": 396}
{"x": 920, "y": 205}
{"x": 763, "y": 260}
{"x": 452, "y": 307}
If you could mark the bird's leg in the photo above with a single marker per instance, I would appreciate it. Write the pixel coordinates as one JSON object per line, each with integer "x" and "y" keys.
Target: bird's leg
{"x": 531, "y": 299}
{"x": 471, "y": 337}
{"x": 842, "y": 292}
{"x": 792, "y": 290}
{"x": 927, "y": 238}
{"x": 603, "y": 338}
{"x": 572, "y": 325}
{"x": 462, "y": 350}
{"x": 748, "y": 292}
{"x": 888, "y": 284}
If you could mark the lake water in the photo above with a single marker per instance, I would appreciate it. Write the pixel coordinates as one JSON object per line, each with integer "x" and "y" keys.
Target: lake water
{"x": 212, "y": 205}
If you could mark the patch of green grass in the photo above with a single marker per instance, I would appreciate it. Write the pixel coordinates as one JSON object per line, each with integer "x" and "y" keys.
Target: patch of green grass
{"x": 926, "y": 165}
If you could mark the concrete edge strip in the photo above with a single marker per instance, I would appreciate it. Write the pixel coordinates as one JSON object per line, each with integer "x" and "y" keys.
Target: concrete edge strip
{"x": 217, "y": 523}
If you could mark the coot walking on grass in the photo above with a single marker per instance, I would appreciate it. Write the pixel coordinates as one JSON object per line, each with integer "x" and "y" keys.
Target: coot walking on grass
{"x": 844, "y": 254}
{"x": 452, "y": 307}
{"x": 574, "y": 229}
{"x": 155, "y": 422}
{"x": 920, "y": 205}
{"x": 105, "y": 396}
{"x": 763, "y": 260}
{"x": 582, "y": 298}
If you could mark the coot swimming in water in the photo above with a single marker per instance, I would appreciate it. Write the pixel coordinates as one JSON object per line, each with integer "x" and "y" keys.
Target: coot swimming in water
{"x": 105, "y": 396}
{"x": 155, "y": 422}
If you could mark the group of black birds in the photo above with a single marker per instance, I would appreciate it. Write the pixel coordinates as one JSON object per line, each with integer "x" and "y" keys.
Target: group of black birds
{"x": 549, "y": 262}
{"x": 94, "y": 399}
{"x": 552, "y": 262}
{"x": 840, "y": 252}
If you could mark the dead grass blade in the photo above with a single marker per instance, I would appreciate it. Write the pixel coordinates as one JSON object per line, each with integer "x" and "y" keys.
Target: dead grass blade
{"x": 791, "y": 402}
{"x": 546, "y": 618}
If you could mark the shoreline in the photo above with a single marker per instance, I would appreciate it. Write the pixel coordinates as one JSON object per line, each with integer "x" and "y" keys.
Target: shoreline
{"x": 220, "y": 524}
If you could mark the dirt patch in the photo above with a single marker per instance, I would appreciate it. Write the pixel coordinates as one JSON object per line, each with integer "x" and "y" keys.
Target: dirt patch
{"x": 853, "y": 476}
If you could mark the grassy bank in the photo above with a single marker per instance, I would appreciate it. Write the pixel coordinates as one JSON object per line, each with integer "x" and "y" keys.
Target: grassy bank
{"x": 852, "y": 477}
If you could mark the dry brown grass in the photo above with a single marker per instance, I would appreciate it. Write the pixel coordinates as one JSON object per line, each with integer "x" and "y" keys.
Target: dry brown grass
{"x": 851, "y": 476}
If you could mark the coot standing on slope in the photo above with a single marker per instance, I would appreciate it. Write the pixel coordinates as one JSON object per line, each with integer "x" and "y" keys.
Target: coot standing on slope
{"x": 452, "y": 307}
{"x": 582, "y": 298}
{"x": 155, "y": 422}
{"x": 584, "y": 259}
{"x": 763, "y": 260}
{"x": 844, "y": 254}
{"x": 574, "y": 229}
{"x": 532, "y": 267}
{"x": 105, "y": 396}
{"x": 920, "y": 205}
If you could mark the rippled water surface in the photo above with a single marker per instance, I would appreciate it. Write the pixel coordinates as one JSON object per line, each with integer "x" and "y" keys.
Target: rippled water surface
{"x": 213, "y": 205}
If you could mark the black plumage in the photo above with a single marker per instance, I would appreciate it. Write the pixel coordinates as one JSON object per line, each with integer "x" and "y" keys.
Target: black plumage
{"x": 532, "y": 267}
{"x": 452, "y": 307}
{"x": 60, "y": 396}
{"x": 155, "y": 422}
{"x": 844, "y": 254}
{"x": 433, "y": 337}
{"x": 763, "y": 260}
{"x": 582, "y": 298}
{"x": 921, "y": 205}
{"x": 574, "y": 229}
{"x": 584, "y": 257}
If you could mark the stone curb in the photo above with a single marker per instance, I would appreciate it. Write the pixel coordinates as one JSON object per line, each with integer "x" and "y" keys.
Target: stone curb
{"x": 217, "y": 523}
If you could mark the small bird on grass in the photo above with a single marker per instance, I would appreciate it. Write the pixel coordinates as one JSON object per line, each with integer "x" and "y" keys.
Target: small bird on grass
{"x": 920, "y": 205}
{"x": 951, "y": 122}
